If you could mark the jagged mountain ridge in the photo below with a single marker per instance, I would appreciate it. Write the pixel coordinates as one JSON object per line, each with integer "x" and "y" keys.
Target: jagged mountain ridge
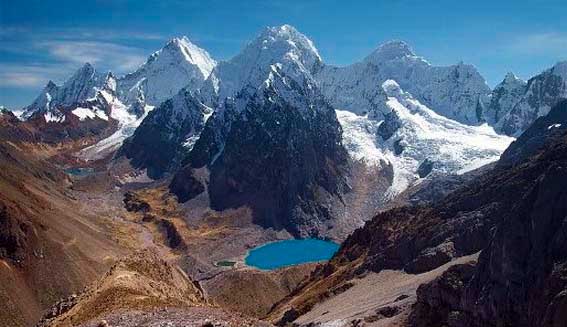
{"x": 278, "y": 70}
{"x": 452, "y": 91}
{"x": 542, "y": 92}
{"x": 503, "y": 98}
{"x": 279, "y": 124}
{"x": 90, "y": 95}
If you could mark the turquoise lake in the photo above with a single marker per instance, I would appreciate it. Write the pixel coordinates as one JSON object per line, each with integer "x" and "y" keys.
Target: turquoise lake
{"x": 79, "y": 172}
{"x": 290, "y": 252}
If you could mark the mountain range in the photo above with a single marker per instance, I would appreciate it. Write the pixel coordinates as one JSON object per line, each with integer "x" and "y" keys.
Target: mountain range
{"x": 393, "y": 111}
{"x": 446, "y": 195}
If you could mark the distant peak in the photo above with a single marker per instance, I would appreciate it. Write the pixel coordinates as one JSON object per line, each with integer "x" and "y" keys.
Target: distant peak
{"x": 86, "y": 70}
{"x": 290, "y": 36}
{"x": 50, "y": 85}
{"x": 284, "y": 29}
{"x": 510, "y": 78}
{"x": 560, "y": 69}
{"x": 179, "y": 41}
{"x": 87, "y": 67}
{"x": 392, "y": 50}
{"x": 182, "y": 47}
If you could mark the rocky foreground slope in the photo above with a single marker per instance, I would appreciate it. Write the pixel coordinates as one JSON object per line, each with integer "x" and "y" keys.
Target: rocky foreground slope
{"x": 515, "y": 215}
{"x": 49, "y": 246}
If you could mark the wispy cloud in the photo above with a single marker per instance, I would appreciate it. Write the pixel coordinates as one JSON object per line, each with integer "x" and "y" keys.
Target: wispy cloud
{"x": 32, "y": 75}
{"x": 116, "y": 57}
{"x": 8, "y": 32}
{"x": 54, "y": 54}
{"x": 551, "y": 43}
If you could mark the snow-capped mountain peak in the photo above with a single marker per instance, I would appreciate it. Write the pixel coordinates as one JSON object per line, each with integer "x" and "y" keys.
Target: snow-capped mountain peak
{"x": 297, "y": 41}
{"x": 178, "y": 64}
{"x": 82, "y": 85}
{"x": 282, "y": 45}
{"x": 391, "y": 50}
{"x": 277, "y": 45}
{"x": 560, "y": 69}
{"x": 191, "y": 53}
{"x": 511, "y": 78}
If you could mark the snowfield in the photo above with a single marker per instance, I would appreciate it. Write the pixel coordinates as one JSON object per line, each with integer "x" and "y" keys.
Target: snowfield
{"x": 451, "y": 147}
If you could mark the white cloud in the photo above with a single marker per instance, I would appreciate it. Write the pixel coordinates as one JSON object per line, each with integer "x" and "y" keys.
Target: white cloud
{"x": 33, "y": 75}
{"x": 116, "y": 57}
{"x": 554, "y": 44}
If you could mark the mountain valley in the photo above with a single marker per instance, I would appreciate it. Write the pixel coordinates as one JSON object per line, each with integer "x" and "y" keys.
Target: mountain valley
{"x": 134, "y": 200}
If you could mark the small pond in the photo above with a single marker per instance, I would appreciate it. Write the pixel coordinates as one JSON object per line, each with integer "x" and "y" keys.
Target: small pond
{"x": 79, "y": 172}
{"x": 290, "y": 252}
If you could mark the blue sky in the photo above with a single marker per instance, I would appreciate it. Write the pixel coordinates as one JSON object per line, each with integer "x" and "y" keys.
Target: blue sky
{"x": 44, "y": 39}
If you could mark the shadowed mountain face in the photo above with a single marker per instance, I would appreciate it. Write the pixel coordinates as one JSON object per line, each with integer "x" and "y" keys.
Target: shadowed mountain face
{"x": 166, "y": 135}
{"x": 282, "y": 155}
{"x": 517, "y": 217}
{"x": 521, "y": 276}
{"x": 287, "y": 166}
{"x": 541, "y": 132}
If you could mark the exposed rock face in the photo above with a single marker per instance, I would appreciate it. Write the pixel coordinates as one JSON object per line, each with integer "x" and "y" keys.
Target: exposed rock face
{"x": 542, "y": 93}
{"x": 542, "y": 131}
{"x": 451, "y": 91}
{"x": 503, "y": 98}
{"x": 389, "y": 126}
{"x": 186, "y": 185}
{"x": 425, "y": 168}
{"x": 276, "y": 145}
{"x": 282, "y": 156}
{"x": 436, "y": 299}
{"x": 286, "y": 165}
{"x": 167, "y": 134}
{"x": 520, "y": 278}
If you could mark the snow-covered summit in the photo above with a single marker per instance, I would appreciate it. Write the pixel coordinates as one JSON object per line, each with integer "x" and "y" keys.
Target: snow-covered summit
{"x": 511, "y": 78}
{"x": 560, "y": 69}
{"x": 452, "y": 91}
{"x": 81, "y": 86}
{"x": 191, "y": 53}
{"x": 178, "y": 64}
{"x": 282, "y": 45}
{"x": 390, "y": 50}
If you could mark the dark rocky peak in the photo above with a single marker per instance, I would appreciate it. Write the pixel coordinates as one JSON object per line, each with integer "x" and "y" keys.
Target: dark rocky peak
{"x": 535, "y": 138}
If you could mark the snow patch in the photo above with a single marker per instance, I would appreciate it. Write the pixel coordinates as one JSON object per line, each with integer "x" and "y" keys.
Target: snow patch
{"x": 51, "y": 117}
{"x": 452, "y": 147}
{"x": 359, "y": 137}
{"x": 86, "y": 113}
